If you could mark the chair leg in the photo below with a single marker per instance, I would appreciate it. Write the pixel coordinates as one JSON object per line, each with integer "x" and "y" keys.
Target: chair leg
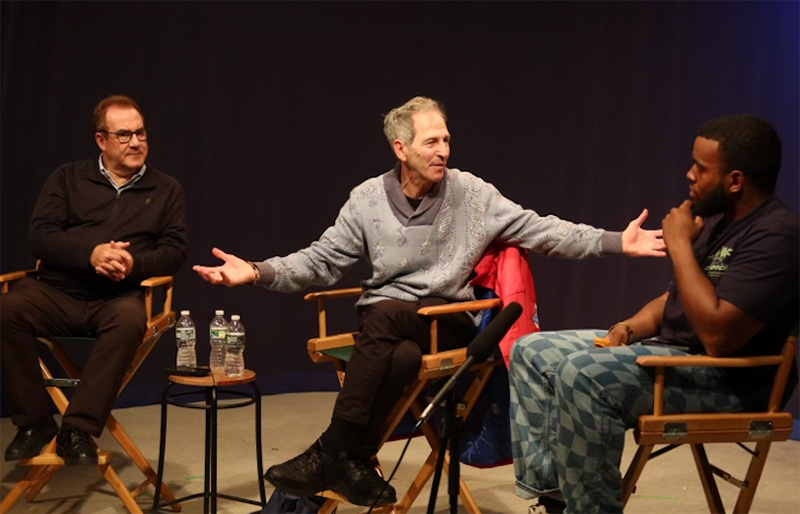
{"x": 635, "y": 471}
{"x": 122, "y": 491}
{"x": 425, "y": 473}
{"x": 329, "y": 506}
{"x": 757, "y": 461}
{"x": 116, "y": 430}
{"x": 411, "y": 395}
{"x": 19, "y": 489}
{"x": 428, "y": 468}
{"x": 45, "y": 472}
{"x": 39, "y": 481}
{"x": 15, "y": 493}
{"x": 707, "y": 479}
{"x": 413, "y": 402}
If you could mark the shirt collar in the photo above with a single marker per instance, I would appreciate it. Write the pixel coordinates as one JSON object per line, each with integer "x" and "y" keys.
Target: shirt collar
{"x": 427, "y": 209}
{"x": 127, "y": 185}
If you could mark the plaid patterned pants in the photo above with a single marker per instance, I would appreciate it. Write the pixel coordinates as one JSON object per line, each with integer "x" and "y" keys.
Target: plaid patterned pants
{"x": 571, "y": 404}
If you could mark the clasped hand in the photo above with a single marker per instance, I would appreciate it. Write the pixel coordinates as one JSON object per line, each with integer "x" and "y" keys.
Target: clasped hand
{"x": 112, "y": 260}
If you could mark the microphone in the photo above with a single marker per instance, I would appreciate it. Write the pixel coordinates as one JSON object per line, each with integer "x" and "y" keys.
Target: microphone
{"x": 478, "y": 351}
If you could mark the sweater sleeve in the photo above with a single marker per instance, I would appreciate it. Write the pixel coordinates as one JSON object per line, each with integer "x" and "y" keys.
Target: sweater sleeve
{"x": 547, "y": 235}
{"x": 323, "y": 262}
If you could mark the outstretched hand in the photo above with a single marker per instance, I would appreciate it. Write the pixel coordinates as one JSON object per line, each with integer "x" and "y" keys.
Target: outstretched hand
{"x": 234, "y": 271}
{"x": 638, "y": 242}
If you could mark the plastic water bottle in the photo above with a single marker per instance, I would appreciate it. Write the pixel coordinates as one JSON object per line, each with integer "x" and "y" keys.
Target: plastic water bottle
{"x": 186, "y": 339}
{"x": 217, "y": 330}
{"x": 234, "y": 346}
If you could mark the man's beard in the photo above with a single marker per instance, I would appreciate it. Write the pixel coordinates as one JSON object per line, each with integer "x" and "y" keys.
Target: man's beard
{"x": 715, "y": 202}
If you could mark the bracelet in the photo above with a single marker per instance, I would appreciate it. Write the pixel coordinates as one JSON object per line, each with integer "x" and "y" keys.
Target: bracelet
{"x": 255, "y": 271}
{"x": 628, "y": 330}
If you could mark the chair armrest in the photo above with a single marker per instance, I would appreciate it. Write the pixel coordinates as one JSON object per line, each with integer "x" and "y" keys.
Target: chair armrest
{"x": 706, "y": 361}
{"x": 321, "y": 296}
{"x": 149, "y": 285}
{"x": 437, "y": 310}
{"x": 156, "y": 281}
{"x": 450, "y": 308}
{"x": 334, "y": 293}
{"x": 7, "y": 278}
{"x": 320, "y": 344}
{"x": 784, "y": 361}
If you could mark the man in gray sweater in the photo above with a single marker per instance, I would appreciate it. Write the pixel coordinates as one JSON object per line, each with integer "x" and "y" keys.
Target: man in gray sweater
{"x": 423, "y": 227}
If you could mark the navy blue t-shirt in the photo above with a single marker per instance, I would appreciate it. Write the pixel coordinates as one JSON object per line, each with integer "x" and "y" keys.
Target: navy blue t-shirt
{"x": 753, "y": 263}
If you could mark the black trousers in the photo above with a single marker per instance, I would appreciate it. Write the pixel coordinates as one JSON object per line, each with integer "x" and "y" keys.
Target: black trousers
{"x": 388, "y": 352}
{"x": 33, "y": 309}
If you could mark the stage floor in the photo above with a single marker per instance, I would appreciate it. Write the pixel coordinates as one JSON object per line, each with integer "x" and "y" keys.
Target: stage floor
{"x": 291, "y": 422}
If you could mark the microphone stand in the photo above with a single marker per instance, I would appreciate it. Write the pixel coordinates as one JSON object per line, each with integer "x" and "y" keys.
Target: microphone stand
{"x": 450, "y": 435}
{"x": 478, "y": 351}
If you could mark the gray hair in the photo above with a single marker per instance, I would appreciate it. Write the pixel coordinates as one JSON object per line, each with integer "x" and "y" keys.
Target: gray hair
{"x": 398, "y": 125}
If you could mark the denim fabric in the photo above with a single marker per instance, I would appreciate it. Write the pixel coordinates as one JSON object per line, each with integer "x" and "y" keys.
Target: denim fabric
{"x": 571, "y": 404}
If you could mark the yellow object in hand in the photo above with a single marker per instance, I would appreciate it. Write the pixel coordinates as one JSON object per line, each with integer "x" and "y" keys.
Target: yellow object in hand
{"x": 601, "y": 342}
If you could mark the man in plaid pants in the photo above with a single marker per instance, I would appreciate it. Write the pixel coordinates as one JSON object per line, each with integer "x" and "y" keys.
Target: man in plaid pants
{"x": 734, "y": 251}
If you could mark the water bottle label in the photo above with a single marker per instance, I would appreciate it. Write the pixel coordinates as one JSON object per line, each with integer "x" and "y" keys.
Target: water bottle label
{"x": 185, "y": 333}
{"x": 218, "y": 333}
{"x": 235, "y": 338}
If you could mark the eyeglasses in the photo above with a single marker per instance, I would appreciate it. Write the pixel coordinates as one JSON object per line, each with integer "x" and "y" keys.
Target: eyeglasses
{"x": 124, "y": 136}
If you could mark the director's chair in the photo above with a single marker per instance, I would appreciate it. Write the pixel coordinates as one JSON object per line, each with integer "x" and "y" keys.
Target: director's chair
{"x": 44, "y": 465}
{"x": 338, "y": 348}
{"x": 673, "y": 430}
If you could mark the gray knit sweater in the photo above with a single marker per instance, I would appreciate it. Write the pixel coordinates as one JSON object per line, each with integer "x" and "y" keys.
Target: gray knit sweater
{"x": 432, "y": 250}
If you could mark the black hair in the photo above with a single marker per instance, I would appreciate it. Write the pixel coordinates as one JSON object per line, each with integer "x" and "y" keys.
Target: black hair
{"x": 749, "y": 144}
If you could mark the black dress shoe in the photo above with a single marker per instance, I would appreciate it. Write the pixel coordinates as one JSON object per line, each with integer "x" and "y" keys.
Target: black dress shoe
{"x": 316, "y": 470}
{"x": 75, "y": 447}
{"x": 312, "y": 471}
{"x": 30, "y": 440}
{"x": 362, "y": 485}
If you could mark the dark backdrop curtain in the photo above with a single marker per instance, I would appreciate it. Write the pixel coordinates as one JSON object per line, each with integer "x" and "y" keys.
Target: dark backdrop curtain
{"x": 269, "y": 113}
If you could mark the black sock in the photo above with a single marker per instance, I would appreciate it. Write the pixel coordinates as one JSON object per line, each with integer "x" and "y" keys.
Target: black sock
{"x": 348, "y": 437}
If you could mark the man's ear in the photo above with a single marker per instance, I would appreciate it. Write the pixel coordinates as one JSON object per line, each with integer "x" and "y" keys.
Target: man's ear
{"x": 100, "y": 140}
{"x": 400, "y": 150}
{"x": 736, "y": 181}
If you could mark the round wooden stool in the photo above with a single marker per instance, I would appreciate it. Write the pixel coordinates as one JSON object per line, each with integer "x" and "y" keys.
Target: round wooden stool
{"x": 211, "y": 387}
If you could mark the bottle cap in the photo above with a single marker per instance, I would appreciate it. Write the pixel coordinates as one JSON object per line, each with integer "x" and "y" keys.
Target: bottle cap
{"x": 184, "y": 313}
{"x": 235, "y": 317}
{"x": 219, "y": 313}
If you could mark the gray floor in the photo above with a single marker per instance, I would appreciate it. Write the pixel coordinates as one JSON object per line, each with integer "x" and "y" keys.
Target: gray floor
{"x": 292, "y": 421}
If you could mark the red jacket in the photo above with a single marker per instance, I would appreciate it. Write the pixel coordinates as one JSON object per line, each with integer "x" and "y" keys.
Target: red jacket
{"x": 506, "y": 271}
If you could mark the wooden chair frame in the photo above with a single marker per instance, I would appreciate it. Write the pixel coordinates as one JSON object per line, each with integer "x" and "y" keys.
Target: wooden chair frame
{"x": 761, "y": 428}
{"x": 44, "y": 465}
{"x": 435, "y": 365}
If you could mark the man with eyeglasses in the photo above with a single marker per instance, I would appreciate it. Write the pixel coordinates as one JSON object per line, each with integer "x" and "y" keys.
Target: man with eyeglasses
{"x": 99, "y": 227}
